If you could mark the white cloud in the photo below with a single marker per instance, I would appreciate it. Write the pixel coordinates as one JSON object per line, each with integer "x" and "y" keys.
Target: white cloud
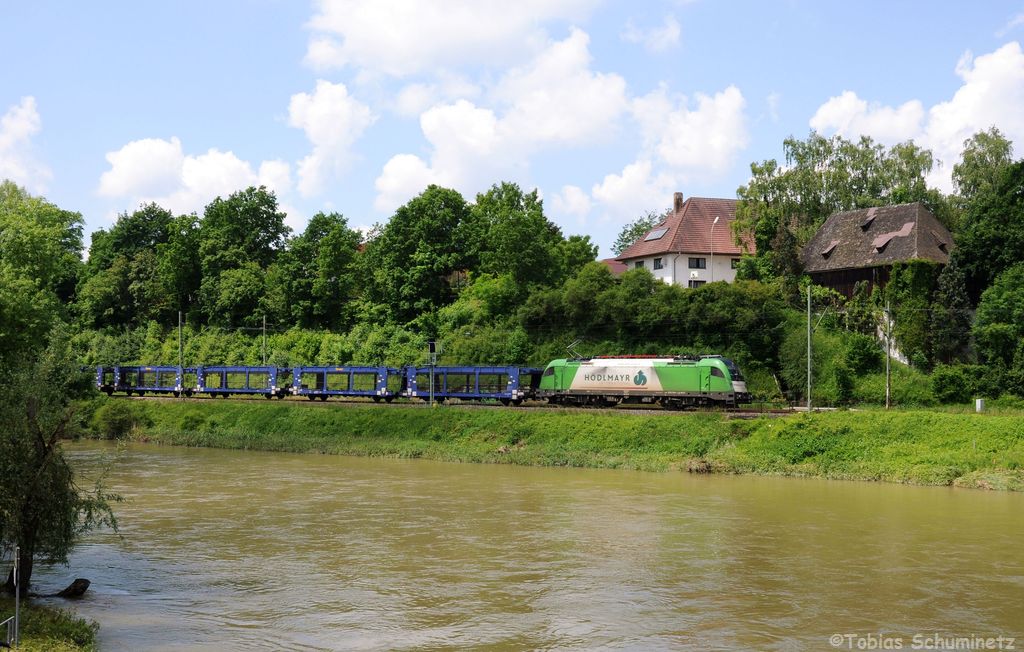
{"x": 294, "y": 218}
{"x": 149, "y": 167}
{"x": 415, "y": 98}
{"x": 277, "y": 175}
{"x": 637, "y": 189}
{"x": 157, "y": 170}
{"x": 655, "y": 39}
{"x": 572, "y": 200}
{"x": 704, "y": 140}
{"x": 558, "y": 98}
{"x": 991, "y": 94}
{"x": 17, "y": 160}
{"x": 467, "y": 153}
{"x": 1014, "y": 23}
{"x": 773, "y": 100}
{"x": 849, "y": 116}
{"x": 332, "y": 120}
{"x": 403, "y": 177}
{"x": 399, "y": 38}
{"x": 555, "y": 100}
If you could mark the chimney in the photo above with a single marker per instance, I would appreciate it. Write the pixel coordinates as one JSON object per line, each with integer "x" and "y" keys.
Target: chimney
{"x": 677, "y": 202}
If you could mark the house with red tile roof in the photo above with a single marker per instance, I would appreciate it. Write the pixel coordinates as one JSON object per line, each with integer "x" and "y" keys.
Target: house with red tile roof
{"x": 614, "y": 266}
{"x": 694, "y": 245}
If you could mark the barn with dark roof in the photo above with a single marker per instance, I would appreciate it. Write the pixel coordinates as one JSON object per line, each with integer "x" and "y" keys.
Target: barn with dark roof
{"x": 863, "y": 245}
{"x": 693, "y": 245}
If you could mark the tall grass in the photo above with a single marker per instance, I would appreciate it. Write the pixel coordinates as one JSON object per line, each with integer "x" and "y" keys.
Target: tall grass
{"x": 913, "y": 446}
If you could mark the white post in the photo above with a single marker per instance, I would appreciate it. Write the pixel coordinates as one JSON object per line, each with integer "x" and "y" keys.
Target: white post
{"x": 713, "y": 248}
{"x": 808, "y": 347}
{"x": 264, "y": 340}
{"x": 888, "y": 355}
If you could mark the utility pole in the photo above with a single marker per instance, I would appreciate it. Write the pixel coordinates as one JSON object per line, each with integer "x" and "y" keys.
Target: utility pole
{"x": 264, "y": 340}
{"x": 808, "y": 347}
{"x": 180, "y": 356}
{"x": 17, "y": 597}
{"x": 432, "y": 349}
{"x": 888, "y": 355}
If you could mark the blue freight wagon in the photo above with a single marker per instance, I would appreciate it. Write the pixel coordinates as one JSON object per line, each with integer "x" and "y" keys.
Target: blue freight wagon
{"x": 140, "y": 379}
{"x": 377, "y": 383}
{"x": 509, "y": 385}
{"x": 227, "y": 380}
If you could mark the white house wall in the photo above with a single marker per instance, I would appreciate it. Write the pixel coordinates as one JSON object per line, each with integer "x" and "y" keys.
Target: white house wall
{"x": 675, "y": 268}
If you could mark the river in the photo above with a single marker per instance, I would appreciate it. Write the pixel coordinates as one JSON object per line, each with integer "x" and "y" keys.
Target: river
{"x": 229, "y": 550}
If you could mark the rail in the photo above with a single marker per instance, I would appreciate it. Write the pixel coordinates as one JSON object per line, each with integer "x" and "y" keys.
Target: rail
{"x": 9, "y": 636}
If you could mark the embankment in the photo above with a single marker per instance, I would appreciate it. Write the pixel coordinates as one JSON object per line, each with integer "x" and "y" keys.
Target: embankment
{"x": 920, "y": 447}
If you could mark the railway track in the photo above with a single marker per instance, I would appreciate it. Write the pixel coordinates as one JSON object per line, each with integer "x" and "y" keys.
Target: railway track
{"x": 732, "y": 413}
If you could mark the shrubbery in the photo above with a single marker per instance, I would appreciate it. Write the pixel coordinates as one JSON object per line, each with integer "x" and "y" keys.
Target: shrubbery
{"x": 115, "y": 419}
{"x": 960, "y": 383}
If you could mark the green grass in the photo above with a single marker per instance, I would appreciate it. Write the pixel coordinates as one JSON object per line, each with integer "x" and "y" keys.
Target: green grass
{"x": 919, "y": 447}
{"x": 49, "y": 629}
{"x": 909, "y": 446}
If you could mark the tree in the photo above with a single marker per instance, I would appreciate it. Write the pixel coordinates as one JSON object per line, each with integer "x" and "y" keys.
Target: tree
{"x": 635, "y": 230}
{"x": 332, "y": 270}
{"x": 985, "y": 155}
{"x": 179, "y": 266}
{"x": 999, "y": 324}
{"x": 42, "y": 509}
{"x": 413, "y": 265}
{"x": 40, "y": 241}
{"x": 245, "y": 227}
{"x": 243, "y": 235}
{"x": 993, "y": 233}
{"x": 125, "y": 282}
{"x": 950, "y": 317}
{"x": 515, "y": 236}
{"x": 40, "y": 261}
{"x": 576, "y": 252}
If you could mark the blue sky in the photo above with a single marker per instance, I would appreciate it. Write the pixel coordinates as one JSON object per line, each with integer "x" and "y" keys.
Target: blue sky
{"x": 356, "y": 105}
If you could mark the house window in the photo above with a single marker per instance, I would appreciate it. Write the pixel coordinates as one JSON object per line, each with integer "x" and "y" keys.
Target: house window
{"x": 734, "y": 263}
{"x": 696, "y": 284}
{"x": 698, "y": 263}
{"x": 657, "y": 263}
{"x": 638, "y": 264}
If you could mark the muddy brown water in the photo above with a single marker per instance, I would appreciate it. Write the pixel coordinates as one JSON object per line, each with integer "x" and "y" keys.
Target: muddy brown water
{"x": 229, "y": 550}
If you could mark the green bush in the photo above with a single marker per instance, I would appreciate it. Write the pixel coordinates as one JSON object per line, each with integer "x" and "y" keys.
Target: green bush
{"x": 116, "y": 418}
{"x": 844, "y": 383}
{"x": 863, "y": 354}
{"x": 956, "y": 383}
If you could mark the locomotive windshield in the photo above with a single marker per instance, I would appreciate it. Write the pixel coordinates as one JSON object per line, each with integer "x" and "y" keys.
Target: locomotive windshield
{"x": 734, "y": 371}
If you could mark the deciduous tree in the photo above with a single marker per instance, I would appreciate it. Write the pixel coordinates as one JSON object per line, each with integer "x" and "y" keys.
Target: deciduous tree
{"x": 42, "y": 509}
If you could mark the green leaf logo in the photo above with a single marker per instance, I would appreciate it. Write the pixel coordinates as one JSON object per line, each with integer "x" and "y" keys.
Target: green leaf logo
{"x": 639, "y": 378}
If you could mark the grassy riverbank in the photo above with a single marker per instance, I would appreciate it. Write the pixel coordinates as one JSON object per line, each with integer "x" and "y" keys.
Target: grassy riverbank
{"x": 920, "y": 447}
{"x": 47, "y": 629}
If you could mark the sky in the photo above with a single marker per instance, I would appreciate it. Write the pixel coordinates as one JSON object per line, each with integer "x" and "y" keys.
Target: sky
{"x": 355, "y": 106}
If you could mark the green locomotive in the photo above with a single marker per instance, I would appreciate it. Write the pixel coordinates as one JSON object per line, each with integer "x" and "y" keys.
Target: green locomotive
{"x": 673, "y": 382}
